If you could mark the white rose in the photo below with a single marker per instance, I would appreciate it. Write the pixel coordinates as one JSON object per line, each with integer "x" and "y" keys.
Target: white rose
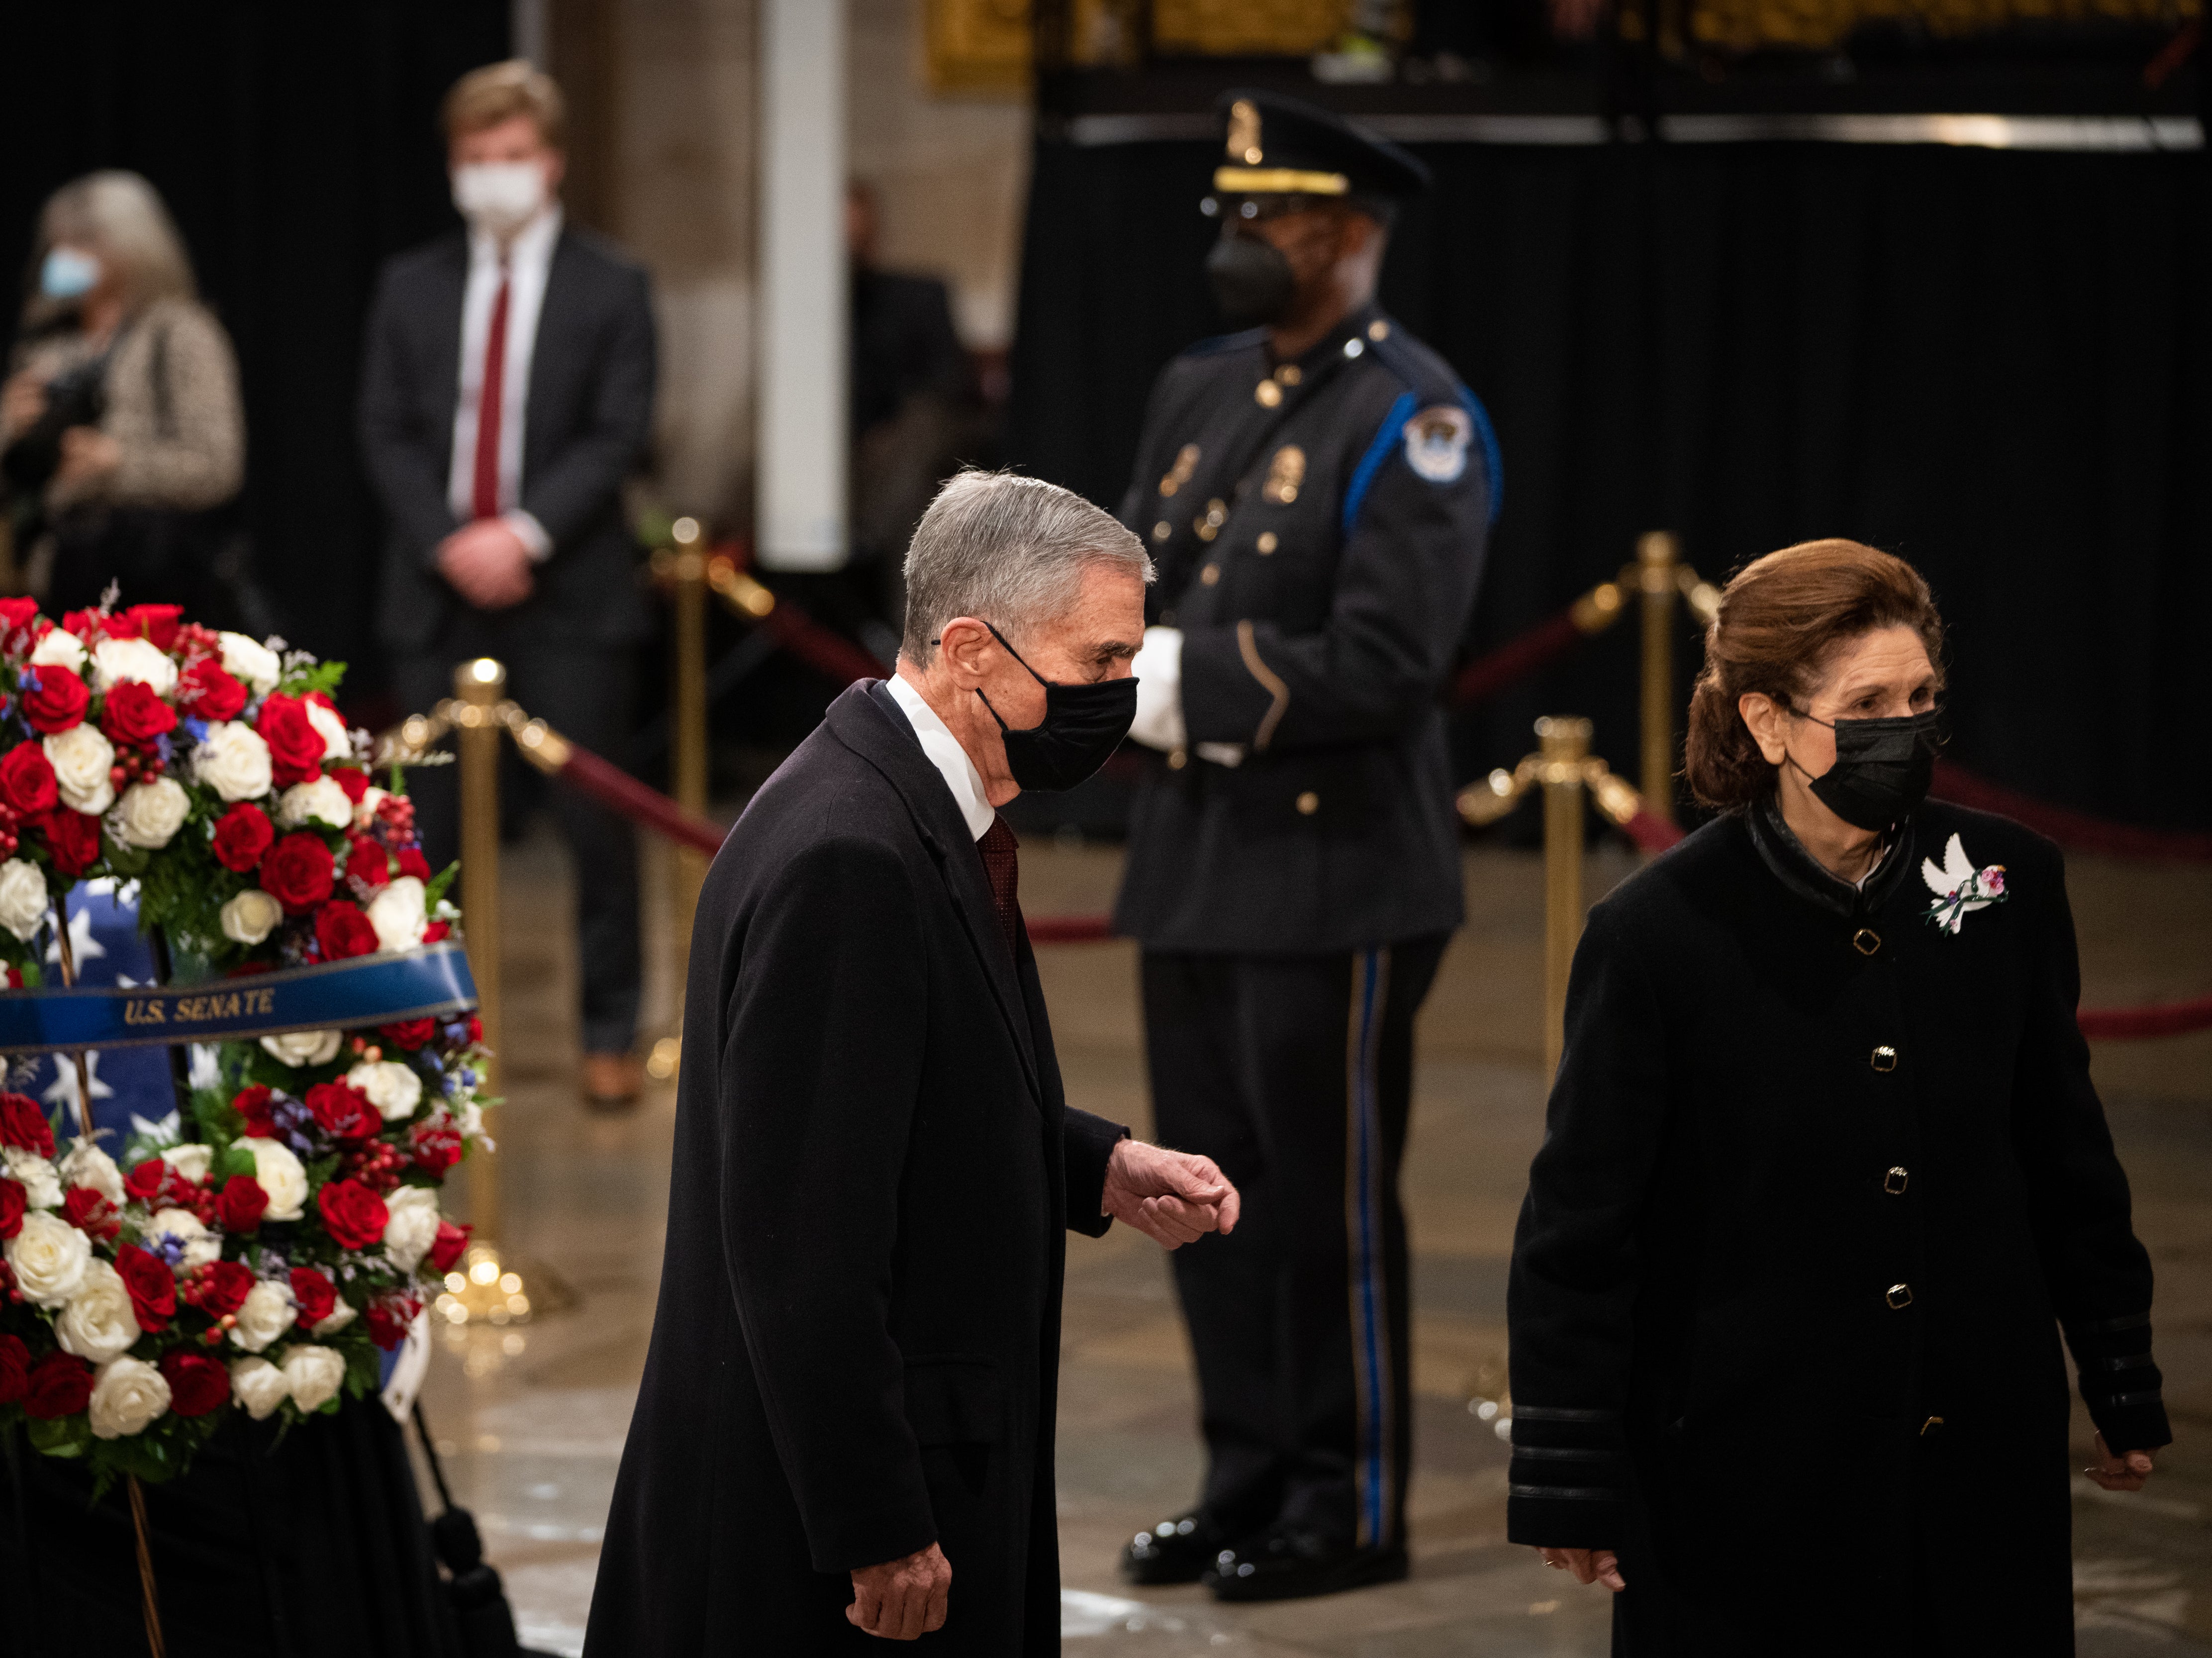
{"x": 114, "y": 661}
{"x": 258, "y": 1385}
{"x": 82, "y": 758}
{"x": 42, "y": 1188}
{"x": 62, "y": 648}
{"x": 22, "y": 898}
{"x": 49, "y": 1256}
{"x": 364, "y": 810}
{"x": 233, "y": 762}
{"x": 341, "y": 1315}
{"x": 127, "y": 1395}
{"x": 392, "y": 1088}
{"x": 265, "y": 1314}
{"x": 321, "y": 801}
{"x": 190, "y": 1160}
{"x": 398, "y": 914}
{"x": 337, "y": 742}
{"x": 470, "y": 1120}
{"x": 298, "y": 1048}
{"x": 199, "y": 1245}
{"x": 251, "y": 916}
{"x": 98, "y": 1324}
{"x": 153, "y": 812}
{"x": 313, "y": 1375}
{"x": 249, "y": 660}
{"x": 281, "y": 1176}
{"x": 413, "y": 1226}
{"x": 88, "y": 1165}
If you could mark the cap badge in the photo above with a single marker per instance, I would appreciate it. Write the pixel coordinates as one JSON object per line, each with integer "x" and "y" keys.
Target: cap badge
{"x": 1285, "y": 472}
{"x": 1244, "y": 132}
{"x": 1437, "y": 440}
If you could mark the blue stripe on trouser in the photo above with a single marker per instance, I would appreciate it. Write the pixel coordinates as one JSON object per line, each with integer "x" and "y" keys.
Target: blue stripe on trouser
{"x": 1371, "y": 973}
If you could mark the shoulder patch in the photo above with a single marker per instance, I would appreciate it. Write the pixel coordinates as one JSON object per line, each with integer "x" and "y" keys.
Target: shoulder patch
{"x": 1436, "y": 442}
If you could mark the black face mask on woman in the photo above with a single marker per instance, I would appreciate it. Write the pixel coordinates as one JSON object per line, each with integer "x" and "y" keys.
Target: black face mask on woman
{"x": 1883, "y": 768}
{"x": 1083, "y": 725}
{"x": 1252, "y": 282}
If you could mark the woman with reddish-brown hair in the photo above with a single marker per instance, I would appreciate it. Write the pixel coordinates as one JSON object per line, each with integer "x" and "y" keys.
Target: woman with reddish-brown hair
{"x": 1823, "y": 1179}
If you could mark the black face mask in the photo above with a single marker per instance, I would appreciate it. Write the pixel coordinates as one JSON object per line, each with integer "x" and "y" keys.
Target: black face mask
{"x": 1882, "y": 771}
{"x": 1251, "y": 281}
{"x": 1083, "y": 725}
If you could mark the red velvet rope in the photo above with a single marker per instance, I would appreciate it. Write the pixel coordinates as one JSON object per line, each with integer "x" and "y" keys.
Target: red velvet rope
{"x": 616, "y": 790}
{"x": 2074, "y": 830}
{"x": 1486, "y": 675}
{"x": 2161, "y": 1019}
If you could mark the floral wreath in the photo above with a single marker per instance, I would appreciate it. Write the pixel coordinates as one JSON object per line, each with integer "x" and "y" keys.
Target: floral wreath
{"x": 255, "y": 1248}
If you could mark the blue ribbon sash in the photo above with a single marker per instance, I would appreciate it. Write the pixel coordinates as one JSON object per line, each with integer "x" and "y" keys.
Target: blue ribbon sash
{"x": 367, "y": 990}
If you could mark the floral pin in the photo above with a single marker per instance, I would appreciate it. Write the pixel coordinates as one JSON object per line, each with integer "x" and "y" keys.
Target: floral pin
{"x": 1960, "y": 887}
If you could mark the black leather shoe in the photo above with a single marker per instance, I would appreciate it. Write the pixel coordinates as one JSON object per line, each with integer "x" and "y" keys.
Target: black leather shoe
{"x": 1175, "y": 1551}
{"x": 1283, "y": 1563}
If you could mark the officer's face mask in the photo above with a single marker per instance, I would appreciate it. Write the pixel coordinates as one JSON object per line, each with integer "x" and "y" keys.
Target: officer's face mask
{"x": 68, "y": 273}
{"x": 1883, "y": 768}
{"x": 1083, "y": 725}
{"x": 1252, "y": 282}
{"x": 499, "y": 198}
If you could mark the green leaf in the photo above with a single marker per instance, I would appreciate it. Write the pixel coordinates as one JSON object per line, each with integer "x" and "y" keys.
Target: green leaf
{"x": 65, "y": 1435}
{"x": 439, "y": 883}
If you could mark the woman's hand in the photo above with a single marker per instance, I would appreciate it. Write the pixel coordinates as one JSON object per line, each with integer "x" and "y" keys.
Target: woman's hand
{"x": 23, "y": 400}
{"x": 2120, "y": 1473}
{"x": 1590, "y": 1566}
{"x": 87, "y": 453}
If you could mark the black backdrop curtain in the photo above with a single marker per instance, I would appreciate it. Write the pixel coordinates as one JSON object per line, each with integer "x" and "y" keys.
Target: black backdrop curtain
{"x": 1994, "y": 363}
{"x": 297, "y": 146}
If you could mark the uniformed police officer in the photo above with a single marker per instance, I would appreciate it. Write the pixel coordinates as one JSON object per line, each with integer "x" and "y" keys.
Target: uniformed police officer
{"x": 1318, "y": 492}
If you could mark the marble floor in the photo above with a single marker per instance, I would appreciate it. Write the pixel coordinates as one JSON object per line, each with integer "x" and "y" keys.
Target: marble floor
{"x": 531, "y": 1419}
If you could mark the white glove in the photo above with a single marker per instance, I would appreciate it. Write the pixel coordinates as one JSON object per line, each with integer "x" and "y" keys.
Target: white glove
{"x": 1158, "y": 668}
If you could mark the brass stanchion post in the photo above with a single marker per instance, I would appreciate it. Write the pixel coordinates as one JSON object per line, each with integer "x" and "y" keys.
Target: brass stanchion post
{"x": 479, "y": 686}
{"x": 1656, "y": 555}
{"x": 1563, "y": 747}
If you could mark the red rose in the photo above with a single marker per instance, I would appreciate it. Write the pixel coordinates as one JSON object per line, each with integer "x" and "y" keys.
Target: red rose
{"x": 143, "y": 1182}
{"x": 90, "y": 1214}
{"x": 57, "y": 701}
{"x": 353, "y": 780}
{"x": 296, "y": 747}
{"x": 342, "y": 931}
{"x": 242, "y": 834}
{"x": 197, "y": 1382}
{"x": 452, "y": 1242}
{"x": 252, "y": 1104}
{"x": 72, "y": 839}
{"x": 11, "y": 1209}
{"x": 410, "y": 1034}
{"x": 90, "y": 626}
{"x": 218, "y": 1287}
{"x": 298, "y": 871}
{"x": 353, "y": 1214}
{"x": 344, "y": 1111}
{"x": 412, "y": 862}
{"x": 437, "y": 1147}
{"x": 22, "y": 1123}
{"x": 388, "y": 1319}
{"x": 26, "y": 780}
{"x": 133, "y": 714}
{"x": 435, "y": 932}
{"x": 17, "y": 613}
{"x": 151, "y": 1285}
{"x": 368, "y": 862}
{"x": 207, "y": 692}
{"x": 241, "y": 1205}
{"x": 58, "y": 1385}
{"x": 157, "y": 624}
{"x": 316, "y": 1296}
{"x": 476, "y": 1030}
{"x": 14, "y": 1365}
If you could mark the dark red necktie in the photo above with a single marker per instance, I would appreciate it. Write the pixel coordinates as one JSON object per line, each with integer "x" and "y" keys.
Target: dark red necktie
{"x": 491, "y": 398}
{"x": 1001, "y": 868}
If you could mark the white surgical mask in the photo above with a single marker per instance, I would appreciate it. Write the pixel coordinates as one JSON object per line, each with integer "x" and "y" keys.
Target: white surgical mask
{"x": 499, "y": 196}
{"x": 68, "y": 274}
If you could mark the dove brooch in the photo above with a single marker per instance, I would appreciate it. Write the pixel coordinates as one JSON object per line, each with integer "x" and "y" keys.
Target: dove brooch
{"x": 1959, "y": 888}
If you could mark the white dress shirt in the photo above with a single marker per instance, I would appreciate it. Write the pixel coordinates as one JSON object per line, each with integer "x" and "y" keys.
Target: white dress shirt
{"x": 944, "y": 752}
{"x": 529, "y": 261}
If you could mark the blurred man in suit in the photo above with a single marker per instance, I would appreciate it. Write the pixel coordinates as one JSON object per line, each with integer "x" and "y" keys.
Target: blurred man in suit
{"x": 507, "y": 393}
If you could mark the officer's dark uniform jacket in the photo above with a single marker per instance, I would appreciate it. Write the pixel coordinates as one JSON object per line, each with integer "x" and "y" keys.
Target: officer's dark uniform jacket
{"x": 1820, "y": 1183}
{"x": 1320, "y": 528}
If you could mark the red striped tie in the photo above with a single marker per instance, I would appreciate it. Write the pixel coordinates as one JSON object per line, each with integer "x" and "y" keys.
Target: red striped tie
{"x": 490, "y": 400}
{"x": 1001, "y": 868}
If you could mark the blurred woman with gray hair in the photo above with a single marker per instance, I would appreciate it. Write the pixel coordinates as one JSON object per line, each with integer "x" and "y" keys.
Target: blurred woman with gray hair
{"x": 120, "y": 426}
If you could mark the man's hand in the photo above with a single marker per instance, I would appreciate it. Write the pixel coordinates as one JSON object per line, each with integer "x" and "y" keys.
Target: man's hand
{"x": 1171, "y": 1197}
{"x": 1589, "y": 1565}
{"x": 2120, "y": 1473}
{"x": 901, "y": 1600}
{"x": 88, "y": 452}
{"x": 23, "y": 400}
{"x": 488, "y": 564}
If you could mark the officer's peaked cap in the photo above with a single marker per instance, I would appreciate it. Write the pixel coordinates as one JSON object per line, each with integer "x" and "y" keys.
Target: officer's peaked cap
{"x": 1274, "y": 145}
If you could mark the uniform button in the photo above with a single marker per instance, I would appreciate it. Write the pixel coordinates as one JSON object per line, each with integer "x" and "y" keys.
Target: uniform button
{"x": 1900, "y": 1297}
{"x": 1210, "y": 574}
{"x": 1309, "y": 803}
{"x": 1883, "y": 1059}
{"x": 1267, "y": 394}
{"x": 1354, "y": 346}
{"x": 1290, "y": 374}
{"x": 1177, "y": 760}
{"x": 1895, "y": 1182}
{"x": 1378, "y": 330}
{"x": 1162, "y": 529}
{"x": 1267, "y": 544}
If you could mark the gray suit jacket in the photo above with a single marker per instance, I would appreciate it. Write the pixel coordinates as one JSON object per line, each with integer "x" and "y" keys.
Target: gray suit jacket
{"x": 588, "y": 417}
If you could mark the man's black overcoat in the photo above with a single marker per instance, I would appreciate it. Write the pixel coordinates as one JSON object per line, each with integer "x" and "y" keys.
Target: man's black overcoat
{"x": 856, "y": 1348}
{"x": 1820, "y": 1182}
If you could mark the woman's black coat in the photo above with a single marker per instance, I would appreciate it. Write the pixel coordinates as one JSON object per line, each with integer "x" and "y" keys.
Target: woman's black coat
{"x": 857, "y": 1344}
{"x": 1820, "y": 1182}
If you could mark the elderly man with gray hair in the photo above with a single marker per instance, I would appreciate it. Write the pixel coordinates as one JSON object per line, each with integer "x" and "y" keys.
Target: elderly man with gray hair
{"x": 846, "y": 1424}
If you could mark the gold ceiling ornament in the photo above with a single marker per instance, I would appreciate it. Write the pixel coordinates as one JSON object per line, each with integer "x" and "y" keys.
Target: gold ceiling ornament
{"x": 1249, "y": 27}
{"x": 1821, "y": 25}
